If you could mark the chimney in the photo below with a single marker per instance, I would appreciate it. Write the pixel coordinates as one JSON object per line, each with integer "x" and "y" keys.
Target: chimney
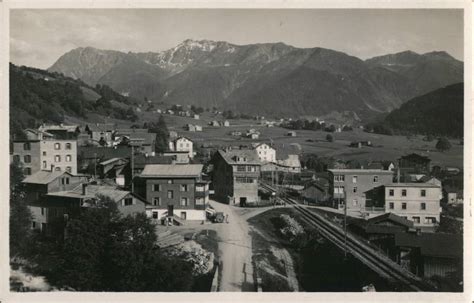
{"x": 84, "y": 189}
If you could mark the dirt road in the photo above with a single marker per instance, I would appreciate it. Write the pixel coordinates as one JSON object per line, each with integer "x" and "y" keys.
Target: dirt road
{"x": 235, "y": 247}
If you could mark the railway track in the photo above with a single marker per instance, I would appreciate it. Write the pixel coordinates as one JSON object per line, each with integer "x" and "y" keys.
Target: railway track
{"x": 375, "y": 260}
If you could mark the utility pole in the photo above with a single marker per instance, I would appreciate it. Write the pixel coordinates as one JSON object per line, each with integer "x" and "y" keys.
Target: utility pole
{"x": 95, "y": 165}
{"x": 132, "y": 166}
{"x": 345, "y": 225}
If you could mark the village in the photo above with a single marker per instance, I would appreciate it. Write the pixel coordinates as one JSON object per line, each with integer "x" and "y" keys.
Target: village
{"x": 406, "y": 208}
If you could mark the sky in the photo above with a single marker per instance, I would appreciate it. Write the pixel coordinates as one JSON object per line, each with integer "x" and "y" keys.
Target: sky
{"x": 38, "y": 37}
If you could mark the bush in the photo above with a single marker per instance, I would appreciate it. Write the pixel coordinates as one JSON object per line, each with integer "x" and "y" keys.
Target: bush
{"x": 329, "y": 138}
{"x": 443, "y": 144}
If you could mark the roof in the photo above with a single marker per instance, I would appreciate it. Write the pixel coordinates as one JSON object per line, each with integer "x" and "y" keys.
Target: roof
{"x": 360, "y": 171}
{"x": 148, "y": 138}
{"x": 433, "y": 244}
{"x": 172, "y": 170}
{"x": 93, "y": 191}
{"x": 110, "y": 161}
{"x": 419, "y": 185}
{"x": 101, "y": 127}
{"x": 230, "y": 156}
{"x": 69, "y": 128}
{"x": 104, "y": 153}
{"x": 44, "y": 177}
{"x": 142, "y": 160}
{"x": 181, "y": 137}
{"x": 128, "y": 131}
{"x": 391, "y": 217}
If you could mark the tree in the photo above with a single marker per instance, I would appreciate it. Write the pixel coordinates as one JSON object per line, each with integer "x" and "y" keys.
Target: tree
{"x": 20, "y": 215}
{"x": 162, "y": 134}
{"x": 329, "y": 138}
{"x": 102, "y": 141}
{"x": 443, "y": 144}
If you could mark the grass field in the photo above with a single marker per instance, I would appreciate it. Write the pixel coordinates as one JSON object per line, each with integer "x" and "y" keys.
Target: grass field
{"x": 384, "y": 147}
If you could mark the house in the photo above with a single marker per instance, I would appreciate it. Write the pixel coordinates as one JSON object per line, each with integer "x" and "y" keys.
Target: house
{"x": 287, "y": 158}
{"x": 45, "y": 152}
{"x": 214, "y": 123}
{"x": 34, "y": 134}
{"x": 176, "y": 192}
{"x": 430, "y": 254}
{"x": 61, "y": 131}
{"x": 139, "y": 163}
{"x": 236, "y": 133}
{"x": 253, "y": 136}
{"x": 291, "y": 134}
{"x": 315, "y": 192}
{"x": 226, "y": 123}
{"x": 414, "y": 164}
{"x": 359, "y": 144}
{"x": 350, "y": 185}
{"x": 235, "y": 175}
{"x": 196, "y": 116}
{"x": 90, "y": 156}
{"x": 198, "y": 128}
{"x": 173, "y": 134}
{"x": 101, "y": 133}
{"x": 38, "y": 185}
{"x": 381, "y": 230}
{"x": 190, "y": 127}
{"x": 182, "y": 144}
{"x": 417, "y": 202}
{"x": 265, "y": 152}
{"x": 452, "y": 195}
{"x": 89, "y": 195}
{"x": 142, "y": 140}
{"x": 113, "y": 169}
{"x": 179, "y": 157}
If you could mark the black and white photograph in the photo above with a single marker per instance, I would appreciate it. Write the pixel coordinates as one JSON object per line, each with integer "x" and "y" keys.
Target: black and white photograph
{"x": 237, "y": 149}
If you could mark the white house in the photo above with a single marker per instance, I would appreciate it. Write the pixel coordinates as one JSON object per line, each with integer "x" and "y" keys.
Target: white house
{"x": 182, "y": 144}
{"x": 265, "y": 152}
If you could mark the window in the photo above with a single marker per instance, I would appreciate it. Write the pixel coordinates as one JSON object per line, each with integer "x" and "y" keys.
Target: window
{"x": 68, "y": 145}
{"x": 391, "y": 205}
{"x": 33, "y": 224}
{"x": 391, "y": 192}
{"x": 404, "y": 192}
{"x": 183, "y": 215}
{"x": 156, "y": 187}
{"x": 57, "y": 168}
{"x": 16, "y": 158}
{"x": 157, "y": 201}
{"x": 416, "y": 219}
{"x": 68, "y": 169}
{"x": 27, "y": 146}
{"x": 44, "y": 153}
{"x": 27, "y": 171}
{"x": 404, "y": 206}
{"x": 27, "y": 159}
{"x": 354, "y": 179}
{"x": 354, "y": 202}
{"x": 430, "y": 220}
{"x": 57, "y": 146}
{"x": 57, "y": 158}
{"x": 244, "y": 180}
{"x": 45, "y": 164}
{"x": 184, "y": 187}
{"x": 338, "y": 189}
{"x": 423, "y": 206}
{"x": 184, "y": 201}
{"x": 42, "y": 211}
{"x": 155, "y": 215}
{"x": 241, "y": 168}
{"x": 354, "y": 189}
{"x": 67, "y": 180}
{"x": 68, "y": 158}
{"x": 128, "y": 201}
{"x": 170, "y": 194}
{"x": 376, "y": 179}
{"x": 170, "y": 181}
{"x": 423, "y": 192}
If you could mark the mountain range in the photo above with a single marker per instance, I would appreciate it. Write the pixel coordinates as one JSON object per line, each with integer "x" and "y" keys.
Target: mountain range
{"x": 271, "y": 79}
